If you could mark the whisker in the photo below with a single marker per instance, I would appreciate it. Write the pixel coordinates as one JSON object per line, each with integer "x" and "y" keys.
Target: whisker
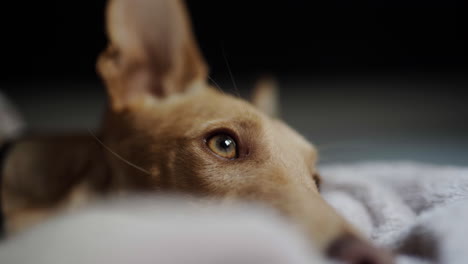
{"x": 117, "y": 155}
{"x": 230, "y": 73}
{"x": 216, "y": 84}
{"x": 335, "y": 145}
{"x": 334, "y": 158}
{"x": 345, "y": 145}
{"x": 328, "y": 152}
{"x": 326, "y": 157}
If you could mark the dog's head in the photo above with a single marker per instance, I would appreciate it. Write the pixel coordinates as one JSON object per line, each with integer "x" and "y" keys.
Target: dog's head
{"x": 181, "y": 134}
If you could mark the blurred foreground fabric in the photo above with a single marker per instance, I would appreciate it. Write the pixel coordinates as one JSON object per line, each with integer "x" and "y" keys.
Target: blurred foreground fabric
{"x": 161, "y": 230}
{"x": 420, "y": 211}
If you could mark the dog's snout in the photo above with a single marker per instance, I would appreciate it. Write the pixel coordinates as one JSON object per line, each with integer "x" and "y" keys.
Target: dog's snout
{"x": 352, "y": 250}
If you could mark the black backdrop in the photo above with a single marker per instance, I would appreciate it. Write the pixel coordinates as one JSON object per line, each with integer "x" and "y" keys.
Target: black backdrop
{"x": 50, "y": 41}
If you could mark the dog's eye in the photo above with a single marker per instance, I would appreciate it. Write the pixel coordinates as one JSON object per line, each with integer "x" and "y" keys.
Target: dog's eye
{"x": 223, "y": 145}
{"x": 317, "y": 180}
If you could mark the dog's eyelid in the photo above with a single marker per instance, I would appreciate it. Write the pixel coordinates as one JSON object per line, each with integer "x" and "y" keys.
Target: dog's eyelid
{"x": 224, "y": 130}
{"x": 213, "y": 125}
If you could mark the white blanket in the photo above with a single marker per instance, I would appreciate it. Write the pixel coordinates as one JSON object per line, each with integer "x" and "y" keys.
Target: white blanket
{"x": 151, "y": 230}
{"x": 415, "y": 209}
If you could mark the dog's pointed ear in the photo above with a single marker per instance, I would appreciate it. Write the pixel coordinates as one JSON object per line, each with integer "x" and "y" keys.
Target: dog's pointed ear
{"x": 151, "y": 51}
{"x": 265, "y": 96}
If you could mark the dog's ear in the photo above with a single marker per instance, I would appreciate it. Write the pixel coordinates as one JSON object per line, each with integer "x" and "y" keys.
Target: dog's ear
{"x": 265, "y": 96}
{"x": 152, "y": 51}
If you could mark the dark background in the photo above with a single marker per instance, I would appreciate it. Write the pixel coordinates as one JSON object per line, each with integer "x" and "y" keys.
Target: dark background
{"x": 47, "y": 40}
{"x": 374, "y": 79}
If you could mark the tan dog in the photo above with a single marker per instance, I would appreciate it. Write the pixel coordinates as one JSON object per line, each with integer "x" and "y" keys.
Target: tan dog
{"x": 167, "y": 129}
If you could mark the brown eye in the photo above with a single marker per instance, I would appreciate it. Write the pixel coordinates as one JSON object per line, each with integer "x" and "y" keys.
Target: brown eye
{"x": 223, "y": 145}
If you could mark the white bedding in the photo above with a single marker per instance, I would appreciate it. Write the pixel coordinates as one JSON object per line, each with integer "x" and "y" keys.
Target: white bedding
{"x": 416, "y": 209}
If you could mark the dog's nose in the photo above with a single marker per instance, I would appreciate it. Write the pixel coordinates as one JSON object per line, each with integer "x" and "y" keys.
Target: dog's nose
{"x": 353, "y": 250}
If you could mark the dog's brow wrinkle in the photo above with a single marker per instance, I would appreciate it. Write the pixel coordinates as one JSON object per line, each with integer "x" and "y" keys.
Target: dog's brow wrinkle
{"x": 117, "y": 155}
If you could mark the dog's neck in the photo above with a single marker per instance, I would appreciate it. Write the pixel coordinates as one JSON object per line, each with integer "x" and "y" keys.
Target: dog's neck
{"x": 41, "y": 172}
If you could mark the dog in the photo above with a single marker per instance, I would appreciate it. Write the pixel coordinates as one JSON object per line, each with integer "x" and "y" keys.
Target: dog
{"x": 166, "y": 129}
